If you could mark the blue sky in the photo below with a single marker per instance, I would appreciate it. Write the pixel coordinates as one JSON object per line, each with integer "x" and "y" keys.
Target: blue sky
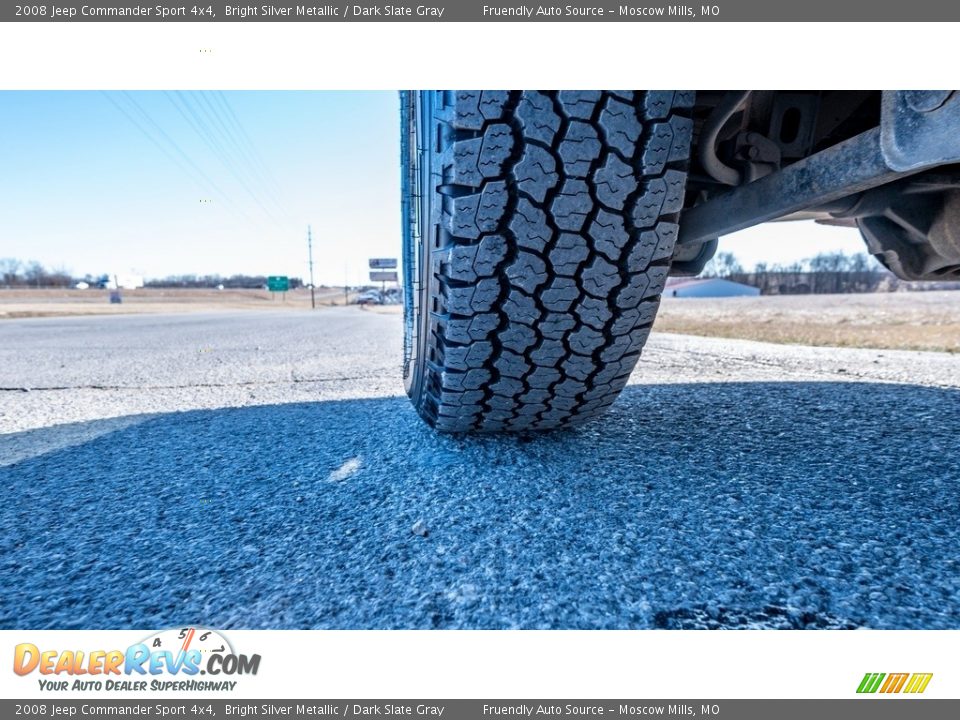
{"x": 113, "y": 182}
{"x": 162, "y": 183}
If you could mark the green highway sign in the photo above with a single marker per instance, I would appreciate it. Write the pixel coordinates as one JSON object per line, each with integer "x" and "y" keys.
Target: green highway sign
{"x": 278, "y": 283}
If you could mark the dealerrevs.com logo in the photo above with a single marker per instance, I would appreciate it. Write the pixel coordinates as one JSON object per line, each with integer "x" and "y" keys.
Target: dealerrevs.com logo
{"x": 181, "y": 653}
{"x": 909, "y": 683}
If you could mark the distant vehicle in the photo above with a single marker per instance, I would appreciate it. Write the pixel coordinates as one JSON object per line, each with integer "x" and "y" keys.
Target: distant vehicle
{"x": 539, "y": 228}
{"x": 82, "y": 285}
{"x": 370, "y": 297}
{"x": 392, "y": 296}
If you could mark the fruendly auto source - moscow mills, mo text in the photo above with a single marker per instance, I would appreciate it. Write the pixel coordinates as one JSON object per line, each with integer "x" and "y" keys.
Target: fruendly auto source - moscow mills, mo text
{"x": 613, "y": 11}
{"x": 367, "y": 11}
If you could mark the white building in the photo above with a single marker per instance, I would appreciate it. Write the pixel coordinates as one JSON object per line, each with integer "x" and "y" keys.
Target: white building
{"x": 708, "y": 287}
{"x": 125, "y": 281}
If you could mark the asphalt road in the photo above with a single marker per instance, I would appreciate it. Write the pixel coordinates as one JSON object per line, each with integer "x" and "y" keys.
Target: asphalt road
{"x": 263, "y": 470}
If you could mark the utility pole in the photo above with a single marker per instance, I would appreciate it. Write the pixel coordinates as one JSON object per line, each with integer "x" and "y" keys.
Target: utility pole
{"x": 313, "y": 299}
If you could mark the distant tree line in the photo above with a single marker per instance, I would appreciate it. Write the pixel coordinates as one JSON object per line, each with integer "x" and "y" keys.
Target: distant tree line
{"x": 212, "y": 281}
{"x": 824, "y": 273}
{"x": 32, "y": 274}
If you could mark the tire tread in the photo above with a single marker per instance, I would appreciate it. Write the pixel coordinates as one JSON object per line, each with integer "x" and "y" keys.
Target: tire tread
{"x": 558, "y": 218}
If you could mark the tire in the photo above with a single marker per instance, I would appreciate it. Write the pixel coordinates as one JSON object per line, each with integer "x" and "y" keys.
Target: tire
{"x": 538, "y": 233}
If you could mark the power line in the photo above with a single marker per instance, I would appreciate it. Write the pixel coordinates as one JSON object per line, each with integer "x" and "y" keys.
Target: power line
{"x": 247, "y": 148}
{"x": 184, "y": 162}
{"x": 213, "y": 143}
{"x": 224, "y": 129}
{"x": 248, "y": 143}
{"x": 227, "y": 120}
{"x": 313, "y": 302}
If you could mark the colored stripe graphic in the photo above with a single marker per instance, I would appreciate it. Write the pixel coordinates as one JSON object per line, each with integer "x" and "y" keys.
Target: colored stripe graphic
{"x": 895, "y": 683}
{"x": 918, "y": 683}
{"x": 870, "y": 682}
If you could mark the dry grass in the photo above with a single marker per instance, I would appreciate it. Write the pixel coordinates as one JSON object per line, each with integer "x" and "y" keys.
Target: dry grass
{"x": 894, "y": 321}
{"x": 20, "y": 303}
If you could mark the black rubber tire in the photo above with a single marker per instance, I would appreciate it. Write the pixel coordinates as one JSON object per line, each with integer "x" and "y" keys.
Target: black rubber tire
{"x": 545, "y": 227}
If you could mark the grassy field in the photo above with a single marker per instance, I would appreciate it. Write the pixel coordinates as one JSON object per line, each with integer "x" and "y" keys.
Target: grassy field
{"x": 898, "y": 321}
{"x": 20, "y": 303}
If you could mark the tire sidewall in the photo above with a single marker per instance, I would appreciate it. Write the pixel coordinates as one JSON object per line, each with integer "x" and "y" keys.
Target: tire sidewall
{"x": 418, "y": 242}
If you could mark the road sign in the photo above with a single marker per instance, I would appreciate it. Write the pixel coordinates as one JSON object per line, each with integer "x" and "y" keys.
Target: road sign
{"x": 383, "y": 263}
{"x": 278, "y": 283}
{"x": 383, "y": 276}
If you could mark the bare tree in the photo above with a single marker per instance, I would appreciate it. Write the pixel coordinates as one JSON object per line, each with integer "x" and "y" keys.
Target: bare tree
{"x": 33, "y": 273}
{"x": 823, "y": 273}
{"x": 722, "y": 265}
{"x": 10, "y": 271}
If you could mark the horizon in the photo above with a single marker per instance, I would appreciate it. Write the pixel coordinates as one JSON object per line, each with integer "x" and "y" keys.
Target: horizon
{"x": 802, "y": 265}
